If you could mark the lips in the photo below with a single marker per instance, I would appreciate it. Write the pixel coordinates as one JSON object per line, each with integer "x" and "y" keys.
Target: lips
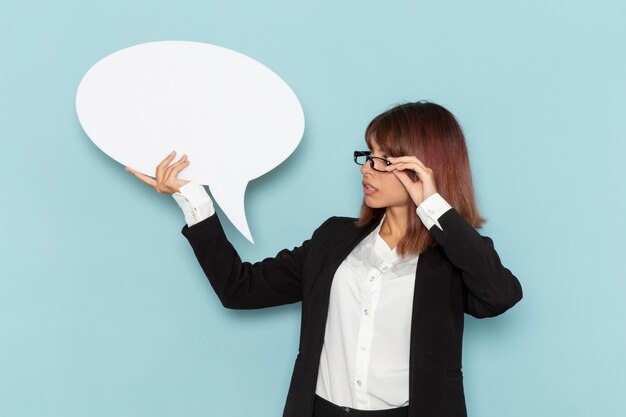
{"x": 367, "y": 185}
{"x": 368, "y": 189}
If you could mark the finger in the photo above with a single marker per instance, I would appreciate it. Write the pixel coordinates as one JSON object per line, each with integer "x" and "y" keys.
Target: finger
{"x": 404, "y": 179}
{"x": 145, "y": 178}
{"x": 423, "y": 173}
{"x": 411, "y": 158}
{"x": 414, "y": 188}
{"x": 404, "y": 165}
{"x": 160, "y": 171}
{"x": 174, "y": 168}
{"x": 161, "y": 167}
{"x": 165, "y": 182}
{"x": 177, "y": 168}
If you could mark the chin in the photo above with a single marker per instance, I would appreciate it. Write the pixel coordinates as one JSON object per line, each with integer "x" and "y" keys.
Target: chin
{"x": 372, "y": 203}
{"x": 369, "y": 202}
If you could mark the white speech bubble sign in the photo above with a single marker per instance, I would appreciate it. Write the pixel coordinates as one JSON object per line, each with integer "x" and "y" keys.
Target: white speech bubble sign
{"x": 233, "y": 117}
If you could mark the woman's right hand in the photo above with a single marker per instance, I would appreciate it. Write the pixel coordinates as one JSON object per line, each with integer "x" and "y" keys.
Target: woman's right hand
{"x": 165, "y": 180}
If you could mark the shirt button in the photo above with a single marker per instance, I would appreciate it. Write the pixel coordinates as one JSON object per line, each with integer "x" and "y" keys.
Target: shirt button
{"x": 372, "y": 278}
{"x": 365, "y": 311}
{"x": 358, "y": 382}
{"x": 431, "y": 211}
{"x": 362, "y": 347}
{"x": 384, "y": 268}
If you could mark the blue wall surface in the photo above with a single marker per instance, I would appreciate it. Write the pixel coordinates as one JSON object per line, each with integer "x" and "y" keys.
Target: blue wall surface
{"x": 104, "y": 310}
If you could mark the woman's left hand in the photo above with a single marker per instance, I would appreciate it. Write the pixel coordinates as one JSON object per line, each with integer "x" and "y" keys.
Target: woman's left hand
{"x": 418, "y": 190}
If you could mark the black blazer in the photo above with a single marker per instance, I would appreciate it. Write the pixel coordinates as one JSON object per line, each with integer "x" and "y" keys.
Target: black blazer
{"x": 462, "y": 274}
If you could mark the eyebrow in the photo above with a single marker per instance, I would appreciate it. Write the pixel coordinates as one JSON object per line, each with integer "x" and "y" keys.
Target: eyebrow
{"x": 385, "y": 155}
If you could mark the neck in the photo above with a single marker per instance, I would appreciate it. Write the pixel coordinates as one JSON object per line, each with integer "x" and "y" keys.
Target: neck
{"x": 395, "y": 223}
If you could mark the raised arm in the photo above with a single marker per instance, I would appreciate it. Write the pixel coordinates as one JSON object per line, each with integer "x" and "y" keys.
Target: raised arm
{"x": 243, "y": 285}
{"x": 491, "y": 289}
{"x": 270, "y": 282}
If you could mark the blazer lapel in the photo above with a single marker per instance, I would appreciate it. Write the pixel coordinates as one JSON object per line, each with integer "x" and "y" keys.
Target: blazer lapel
{"x": 339, "y": 249}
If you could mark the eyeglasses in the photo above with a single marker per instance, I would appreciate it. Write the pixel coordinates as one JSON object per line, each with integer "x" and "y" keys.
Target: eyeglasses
{"x": 377, "y": 164}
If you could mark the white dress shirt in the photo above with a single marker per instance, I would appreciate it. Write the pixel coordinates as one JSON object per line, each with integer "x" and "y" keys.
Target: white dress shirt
{"x": 364, "y": 362}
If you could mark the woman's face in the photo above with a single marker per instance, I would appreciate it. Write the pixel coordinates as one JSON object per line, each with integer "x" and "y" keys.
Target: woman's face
{"x": 382, "y": 189}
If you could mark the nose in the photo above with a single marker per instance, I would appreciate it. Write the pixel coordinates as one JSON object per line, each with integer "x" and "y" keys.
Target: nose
{"x": 366, "y": 169}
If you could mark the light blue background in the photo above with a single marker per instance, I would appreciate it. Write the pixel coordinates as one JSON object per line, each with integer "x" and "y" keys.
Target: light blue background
{"x": 104, "y": 310}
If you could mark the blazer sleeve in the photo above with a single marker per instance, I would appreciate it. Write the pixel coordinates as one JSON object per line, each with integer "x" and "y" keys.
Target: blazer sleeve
{"x": 491, "y": 289}
{"x": 244, "y": 285}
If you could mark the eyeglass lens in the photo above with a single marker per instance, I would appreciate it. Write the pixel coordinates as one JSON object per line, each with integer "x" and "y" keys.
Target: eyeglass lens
{"x": 379, "y": 163}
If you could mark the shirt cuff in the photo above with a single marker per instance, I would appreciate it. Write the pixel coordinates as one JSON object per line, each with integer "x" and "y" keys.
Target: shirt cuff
{"x": 195, "y": 203}
{"x": 431, "y": 209}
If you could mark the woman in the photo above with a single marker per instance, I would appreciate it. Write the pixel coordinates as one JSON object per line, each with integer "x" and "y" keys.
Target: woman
{"x": 383, "y": 296}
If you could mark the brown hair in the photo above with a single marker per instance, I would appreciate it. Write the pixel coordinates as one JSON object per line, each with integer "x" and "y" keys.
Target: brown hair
{"x": 432, "y": 134}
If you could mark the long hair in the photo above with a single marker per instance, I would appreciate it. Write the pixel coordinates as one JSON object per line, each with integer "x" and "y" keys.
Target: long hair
{"x": 432, "y": 134}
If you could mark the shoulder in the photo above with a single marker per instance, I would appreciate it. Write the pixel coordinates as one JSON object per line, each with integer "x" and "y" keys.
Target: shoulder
{"x": 337, "y": 225}
{"x": 341, "y": 221}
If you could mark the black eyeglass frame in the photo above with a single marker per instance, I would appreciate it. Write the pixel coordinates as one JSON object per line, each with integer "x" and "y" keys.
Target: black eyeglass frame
{"x": 368, "y": 157}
